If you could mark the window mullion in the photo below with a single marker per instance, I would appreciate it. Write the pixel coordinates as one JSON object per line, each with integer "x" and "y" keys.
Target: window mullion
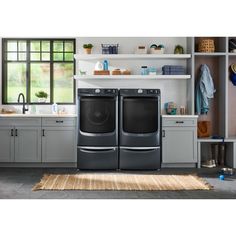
{"x": 28, "y": 89}
{"x": 51, "y": 73}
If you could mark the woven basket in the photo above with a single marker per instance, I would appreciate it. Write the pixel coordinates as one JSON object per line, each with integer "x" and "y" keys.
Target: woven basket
{"x": 101, "y": 72}
{"x": 206, "y": 45}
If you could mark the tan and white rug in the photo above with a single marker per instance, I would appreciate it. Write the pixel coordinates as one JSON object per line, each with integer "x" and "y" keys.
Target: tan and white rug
{"x": 135, "y": 182}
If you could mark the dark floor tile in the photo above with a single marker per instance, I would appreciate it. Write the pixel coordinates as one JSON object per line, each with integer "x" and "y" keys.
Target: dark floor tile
{"x": 17, "y": 183}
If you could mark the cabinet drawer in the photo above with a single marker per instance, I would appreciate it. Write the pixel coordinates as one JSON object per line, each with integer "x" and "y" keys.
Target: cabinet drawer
{"x": 179, "y": 122}
{"x": 24, "y": 121}
{"x": 58, "y": 121}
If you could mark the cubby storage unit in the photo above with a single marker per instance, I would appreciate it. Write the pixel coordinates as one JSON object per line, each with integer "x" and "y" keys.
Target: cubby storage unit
{"x": 222, "y": 113}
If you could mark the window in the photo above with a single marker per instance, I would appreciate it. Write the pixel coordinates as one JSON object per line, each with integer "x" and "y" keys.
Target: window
{"x": 33, "y": 65}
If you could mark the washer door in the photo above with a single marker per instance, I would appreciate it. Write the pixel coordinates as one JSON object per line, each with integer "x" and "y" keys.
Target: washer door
{"x": 97, "y": 114}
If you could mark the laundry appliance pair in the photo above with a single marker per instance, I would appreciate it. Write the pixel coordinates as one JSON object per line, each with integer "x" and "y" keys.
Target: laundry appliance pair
{"x": 119, "y": 129}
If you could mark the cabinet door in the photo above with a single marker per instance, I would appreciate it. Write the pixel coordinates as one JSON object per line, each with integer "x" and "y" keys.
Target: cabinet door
{"x": 179, "y": 145}
{"x": 58, "y": 144}
{"x": 6, "y": 144}
{"x": 27, "y": 144}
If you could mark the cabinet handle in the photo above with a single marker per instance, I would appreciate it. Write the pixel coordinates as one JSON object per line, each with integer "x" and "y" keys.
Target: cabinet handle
{"x": 43, "y": 132}
{"x": 163, "y": 133}
{"x": 16, "y": 132}
{"x": 179, "y": 122}
{"x": 12, "y": 132}
{"x": 59, "y": 121}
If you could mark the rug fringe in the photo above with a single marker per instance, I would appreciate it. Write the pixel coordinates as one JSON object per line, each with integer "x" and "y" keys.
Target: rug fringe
{"x": 210, "y": 187}
{"x": 39, "y": 186}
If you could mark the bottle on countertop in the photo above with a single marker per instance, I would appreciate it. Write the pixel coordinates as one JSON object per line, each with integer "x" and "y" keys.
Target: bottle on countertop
{"x": 54, "y": 108}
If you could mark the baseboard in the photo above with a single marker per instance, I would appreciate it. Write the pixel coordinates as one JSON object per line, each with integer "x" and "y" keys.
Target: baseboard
{"x": 179, "y": 165}
{"x": 40, "y": 165}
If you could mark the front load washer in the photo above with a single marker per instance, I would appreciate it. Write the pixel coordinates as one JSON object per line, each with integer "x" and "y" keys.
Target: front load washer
{"x": 97, "y": 129}
{"x": 140, "y": 128}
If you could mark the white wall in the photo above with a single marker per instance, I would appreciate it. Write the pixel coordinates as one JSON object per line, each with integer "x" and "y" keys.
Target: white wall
{"x": 170, "y": 90}
{"x": 175, "y": 91}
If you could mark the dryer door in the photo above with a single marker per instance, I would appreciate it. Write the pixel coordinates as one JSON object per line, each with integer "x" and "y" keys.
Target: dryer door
{"x": 140, "y": 115}
{"x": 140, "y": 121}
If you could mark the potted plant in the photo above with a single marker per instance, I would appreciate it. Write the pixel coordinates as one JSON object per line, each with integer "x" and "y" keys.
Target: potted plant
{"x": 42, "y": 96}
{"x": 88, "y": 48}
{"x": 179, "y": 49}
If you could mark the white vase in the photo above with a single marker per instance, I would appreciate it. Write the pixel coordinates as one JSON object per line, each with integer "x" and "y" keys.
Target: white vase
{"x": 42, "y": 100}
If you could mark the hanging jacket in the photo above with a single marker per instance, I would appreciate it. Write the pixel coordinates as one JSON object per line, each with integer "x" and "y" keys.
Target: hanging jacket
{"x": 204, "y": 90}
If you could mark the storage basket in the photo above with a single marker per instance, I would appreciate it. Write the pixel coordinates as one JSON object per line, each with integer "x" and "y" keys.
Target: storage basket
{"x": 101, "y": 72}
{"x": 206, "y": 45}
{"x": 116, "y": 72}
{"x": 110, "y": 48}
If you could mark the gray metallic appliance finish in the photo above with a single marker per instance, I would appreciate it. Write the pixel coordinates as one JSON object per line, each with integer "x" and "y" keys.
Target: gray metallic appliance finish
{"x": 142, "y": 139}
{"x": 97, "y": 139}
{"x": 139, "y": 151}
{"x": 98, "y": 151}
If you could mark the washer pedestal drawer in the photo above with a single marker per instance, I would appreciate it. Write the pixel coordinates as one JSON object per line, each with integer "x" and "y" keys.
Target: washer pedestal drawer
{"x": 140, "y": 159}
{"x": 97, "y": 159}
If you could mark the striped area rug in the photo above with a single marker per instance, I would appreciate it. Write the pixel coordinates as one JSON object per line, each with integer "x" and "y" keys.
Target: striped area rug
{"x": 128, "y": 182}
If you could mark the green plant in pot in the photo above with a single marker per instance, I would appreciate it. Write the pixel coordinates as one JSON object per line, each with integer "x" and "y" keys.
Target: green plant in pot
{"x": 42, "y": 96}
{"x": 88, "y": 48}
{"x": 179, "y": 49}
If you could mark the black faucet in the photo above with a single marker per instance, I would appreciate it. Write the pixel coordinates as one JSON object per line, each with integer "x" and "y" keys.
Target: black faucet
{"x": 18, "y": 100}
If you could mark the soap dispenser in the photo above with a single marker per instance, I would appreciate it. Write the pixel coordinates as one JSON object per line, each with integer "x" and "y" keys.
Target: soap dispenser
{"x": 54, "y": 108}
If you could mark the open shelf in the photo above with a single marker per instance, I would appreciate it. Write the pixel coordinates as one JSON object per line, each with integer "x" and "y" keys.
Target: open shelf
{"x": 210, "y": 140}
{"x": 231, "y": 102}
{"x": 128, "y": 77}
{"x": 231, "y": 53}
{"x": 88, "y": 57}
{"x": 212, "y": 54}
{"x": 220, "y": 43}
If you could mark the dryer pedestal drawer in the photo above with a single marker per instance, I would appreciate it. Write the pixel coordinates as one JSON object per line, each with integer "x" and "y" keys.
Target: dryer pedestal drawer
{"x": 140, "y": 159}
{"x": 97, "y": 159}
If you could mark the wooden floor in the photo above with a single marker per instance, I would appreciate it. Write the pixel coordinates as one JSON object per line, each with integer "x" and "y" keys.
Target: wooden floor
{"x": 17, "y": 183}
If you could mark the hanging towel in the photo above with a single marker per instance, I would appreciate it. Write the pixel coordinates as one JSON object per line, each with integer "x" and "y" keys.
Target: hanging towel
{"x": 204, "y": 90}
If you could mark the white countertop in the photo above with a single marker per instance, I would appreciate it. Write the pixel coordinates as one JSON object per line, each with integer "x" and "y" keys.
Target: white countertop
{"x": 37, "y": 115}
{"x": 180, "y": 116}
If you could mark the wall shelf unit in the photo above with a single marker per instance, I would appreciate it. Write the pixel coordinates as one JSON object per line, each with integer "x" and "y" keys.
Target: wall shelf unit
{"x": 132, "y": 77}
{"x": 87, "y": 57}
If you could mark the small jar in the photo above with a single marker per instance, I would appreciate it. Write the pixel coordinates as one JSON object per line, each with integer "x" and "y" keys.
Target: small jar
{"x": 144, "y": 70}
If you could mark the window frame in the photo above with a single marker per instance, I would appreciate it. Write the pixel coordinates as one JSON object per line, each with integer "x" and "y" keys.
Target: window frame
{"x": 28, "y": 61}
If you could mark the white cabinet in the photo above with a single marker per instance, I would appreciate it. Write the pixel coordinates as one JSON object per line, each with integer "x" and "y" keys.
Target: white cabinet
{"x": 179, "y": 140}
{"x": 25, "y": 140}
{"x": 27, "y": 144}
{"x": 6, "y": 144}
{"x": 20, "y": 140}
{"x": 59, "y": 140}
